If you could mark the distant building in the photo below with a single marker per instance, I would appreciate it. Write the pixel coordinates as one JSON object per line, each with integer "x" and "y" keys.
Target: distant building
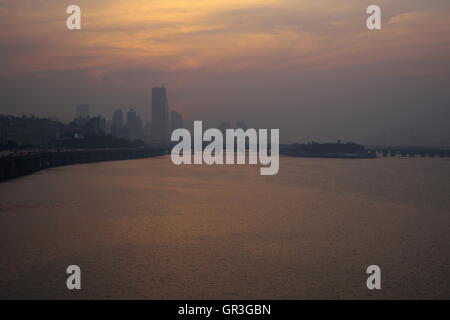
{"x": 82, "y": 114}
{"x": 224, "y": 126}
{"x": 3, "y": 130}
{"x": 160, "y": 117}
{"x": 108, "y": 125}
{"x": 117, "y": 119}
{"x": 31, "y": 130}
{"x": 132, "y": 125}
{"x": 95, "y": 125}
{"x": 139, "y": 129}
{"x": 103, "y": 124}
{"x": 117, "y": 126}
{"x": 176, "y": 120}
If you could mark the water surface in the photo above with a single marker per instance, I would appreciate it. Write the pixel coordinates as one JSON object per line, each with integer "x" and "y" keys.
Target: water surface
{"x": 147, "y": 229}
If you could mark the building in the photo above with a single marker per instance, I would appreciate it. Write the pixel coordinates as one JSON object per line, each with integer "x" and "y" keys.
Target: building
{"x": 95, "y": 125}
{"x": 82, "y": 114}
{"x": 117, "y": 119}
{"x": 224, "y": 126}
{"x": 160, "y": 117}
{"x": 176, "y": 120}
{"x": 118, "y": 129}
{"x": 132, "y": 125}
{"x": 139, "y": 128}
{"x": 102, "y": 124}
{"x": 32, "y": 131}
{"x": 3, "y": 130}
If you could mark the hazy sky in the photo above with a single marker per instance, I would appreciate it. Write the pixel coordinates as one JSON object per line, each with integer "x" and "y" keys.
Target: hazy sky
{"x": 308, "y": 67}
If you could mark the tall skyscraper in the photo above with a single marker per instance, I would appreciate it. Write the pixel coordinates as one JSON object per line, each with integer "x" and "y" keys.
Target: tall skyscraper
{"x": 117, "y": 129}
{"x": 160, "y": 117}
{"x": 132, "y": 124}
{"x": 118, "y": 118}
{"x": 176, "y": 120}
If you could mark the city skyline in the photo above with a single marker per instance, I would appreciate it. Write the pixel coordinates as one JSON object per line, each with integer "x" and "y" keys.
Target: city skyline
{"x": 311, "y": 69}
{"x": 225, "y": 158}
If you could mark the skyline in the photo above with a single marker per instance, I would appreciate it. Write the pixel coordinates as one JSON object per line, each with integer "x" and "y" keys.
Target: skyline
{"x": 220, "y": 158}
{"x": 310, "y": 69}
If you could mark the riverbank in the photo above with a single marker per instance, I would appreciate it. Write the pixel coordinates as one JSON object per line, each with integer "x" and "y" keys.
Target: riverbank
{"x": 17, "y": 165}
{"x": 334, "y": 155}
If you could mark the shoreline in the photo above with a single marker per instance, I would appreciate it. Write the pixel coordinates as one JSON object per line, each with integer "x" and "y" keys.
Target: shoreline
{"x": 18, "y": 166}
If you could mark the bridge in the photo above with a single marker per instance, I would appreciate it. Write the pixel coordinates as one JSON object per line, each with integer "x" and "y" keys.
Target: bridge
{"x": 410, "y": 151}
{"x": 16, "y": 165}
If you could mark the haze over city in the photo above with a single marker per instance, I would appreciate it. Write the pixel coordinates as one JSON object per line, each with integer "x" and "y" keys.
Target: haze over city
{"x": 224, "y": 157}
{"x": 309, "y": 68}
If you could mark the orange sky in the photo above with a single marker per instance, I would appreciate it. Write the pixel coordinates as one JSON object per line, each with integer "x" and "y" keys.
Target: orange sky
{"x": 185, "y": 35}
{"x": 182, "y": 42}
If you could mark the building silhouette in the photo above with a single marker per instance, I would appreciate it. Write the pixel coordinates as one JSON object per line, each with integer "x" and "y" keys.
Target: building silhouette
{"x": 139, "y": 128}
{"x": 176, "y": 120}
{"x": 160, "y": 117}
{"x": 132, "y": 125}
{"x": 118, "y": 129}
{"x": 82, "y": 114}
{"x": 224, "y": 126}
{"x": 102, "y": 124}
{"x": 117, "y": 119}
{"x": 3, "y": 130}
{"x": 96, "y": 125}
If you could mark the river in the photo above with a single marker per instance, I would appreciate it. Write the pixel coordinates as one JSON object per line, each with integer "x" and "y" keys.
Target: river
{"x": 147, "y": 229}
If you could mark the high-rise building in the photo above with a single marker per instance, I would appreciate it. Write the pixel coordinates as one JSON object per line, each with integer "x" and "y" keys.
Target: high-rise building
{"x": 132, "y": 125}
{"x": 117, "y": 128}
{"x": 118, "y": 118}
{"x": 139, "y": 130}
{"x": 176, "y": 120}
{"x": 160, "y": 117}
{"x": 94, "y": 125}
{"x": 102, "y": 124}
{"x": 82, "y": 114}
{"x": 147, "y": 133}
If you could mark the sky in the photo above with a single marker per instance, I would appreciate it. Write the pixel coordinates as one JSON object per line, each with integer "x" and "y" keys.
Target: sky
{"x": 310, "y": 68}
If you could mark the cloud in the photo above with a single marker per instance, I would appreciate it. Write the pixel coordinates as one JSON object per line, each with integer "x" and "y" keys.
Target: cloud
{"x": 223, "y": 58}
